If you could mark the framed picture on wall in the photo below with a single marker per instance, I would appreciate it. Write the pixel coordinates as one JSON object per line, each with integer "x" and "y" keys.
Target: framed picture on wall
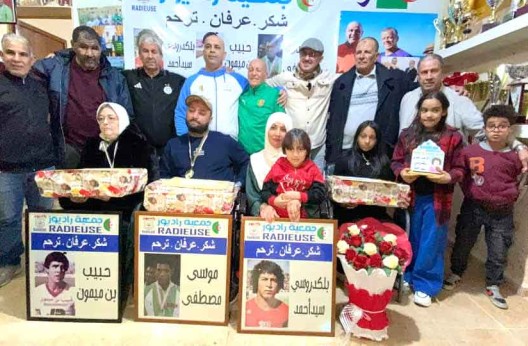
{"x": 8, "y": 12}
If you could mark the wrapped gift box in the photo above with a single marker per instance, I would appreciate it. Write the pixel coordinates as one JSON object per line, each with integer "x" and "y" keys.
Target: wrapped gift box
{"x": 116, "y": 182}
{"x": 196, "y": 196}
{"x": 356, "y": 190}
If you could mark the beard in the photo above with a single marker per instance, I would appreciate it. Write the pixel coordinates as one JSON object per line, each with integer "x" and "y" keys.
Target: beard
{"x": 198, "y": 129}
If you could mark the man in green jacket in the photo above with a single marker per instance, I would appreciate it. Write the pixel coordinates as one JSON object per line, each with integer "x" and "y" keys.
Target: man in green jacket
{"x": 255, "y": 106}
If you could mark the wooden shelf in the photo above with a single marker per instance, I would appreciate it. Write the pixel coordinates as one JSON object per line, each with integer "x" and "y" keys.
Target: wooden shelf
{"x": 44, "y": 12}
{"x": 503, "y": 41}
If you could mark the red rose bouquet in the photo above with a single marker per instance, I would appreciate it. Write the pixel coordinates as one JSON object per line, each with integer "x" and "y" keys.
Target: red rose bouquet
{"x": 371, "y": 253}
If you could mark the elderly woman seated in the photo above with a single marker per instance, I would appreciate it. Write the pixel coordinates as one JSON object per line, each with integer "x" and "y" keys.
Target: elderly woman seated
{"x": 119, "y": 145}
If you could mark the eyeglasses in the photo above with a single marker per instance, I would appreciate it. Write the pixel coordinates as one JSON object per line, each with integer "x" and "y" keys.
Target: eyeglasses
{"x": 497, "y": 127}
{"x": 110, "y": 118}
{"x": 309, "y": 53}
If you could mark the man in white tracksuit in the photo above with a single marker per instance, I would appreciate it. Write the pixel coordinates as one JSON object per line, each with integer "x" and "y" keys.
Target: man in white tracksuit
{"x": 220, "y": 87}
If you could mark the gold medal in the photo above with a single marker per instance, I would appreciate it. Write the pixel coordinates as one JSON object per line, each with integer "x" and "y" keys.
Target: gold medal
{"x": 189, "y": 174}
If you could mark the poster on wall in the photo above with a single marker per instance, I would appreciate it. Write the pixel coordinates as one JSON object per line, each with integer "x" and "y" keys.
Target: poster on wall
{"x": 8, "y": 12}
{"x": 72, "y": 266}
{"x": 399, "y": 45}
{"x": 270, "y": 30}
{"x": 288, "y": 277}
{"x": 44, "y": 3}
{"x": 182, "y": 268}
{"x": 106, "y": 18}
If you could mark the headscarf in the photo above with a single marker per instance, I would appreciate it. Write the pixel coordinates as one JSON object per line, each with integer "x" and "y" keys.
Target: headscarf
{"x": 124, "y": 121}
{"x": 262, "y": 161}
{"x": 121, "y": 112}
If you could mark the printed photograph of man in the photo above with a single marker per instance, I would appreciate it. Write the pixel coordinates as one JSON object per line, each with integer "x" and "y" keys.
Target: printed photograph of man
{"x": 6, "y": 12}
{"x": 162, "y": 297}
{"x": 54, "y": 297}
{"x": 389, "y": 40}
{"x": 346, "y": 51}
{"x": 265, "y": 310}
{"x": 411, "y": 70}
{"x": 270, "y": 52}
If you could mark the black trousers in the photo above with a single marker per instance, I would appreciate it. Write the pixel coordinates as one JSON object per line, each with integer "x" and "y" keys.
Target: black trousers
{"x": 498, "y": 227}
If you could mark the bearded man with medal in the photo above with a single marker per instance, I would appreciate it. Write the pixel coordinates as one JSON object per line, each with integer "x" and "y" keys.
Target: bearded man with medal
{"x": 202, "y": 153}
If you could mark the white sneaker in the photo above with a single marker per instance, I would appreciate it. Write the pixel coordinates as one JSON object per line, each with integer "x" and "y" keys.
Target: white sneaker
{"x": 422, "y": 299}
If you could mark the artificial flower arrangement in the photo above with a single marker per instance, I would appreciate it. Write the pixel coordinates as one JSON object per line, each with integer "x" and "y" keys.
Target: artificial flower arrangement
{"x": 371, "y": 253}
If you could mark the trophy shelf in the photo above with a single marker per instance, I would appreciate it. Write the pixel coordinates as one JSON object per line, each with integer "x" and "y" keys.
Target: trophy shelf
{"x": 483, "y": 50}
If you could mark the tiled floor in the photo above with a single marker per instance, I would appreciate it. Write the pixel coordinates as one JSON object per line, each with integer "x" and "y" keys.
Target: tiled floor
{"x": 464, "y": 316}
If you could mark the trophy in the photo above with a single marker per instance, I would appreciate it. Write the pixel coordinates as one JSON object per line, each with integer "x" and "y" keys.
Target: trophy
{"x": 519, "y": 7}
{"x": 497, "y": 94}
{"x": 444, "y": 29}
{"x": 493, "y": 5}
{"x": 460, "y": 15}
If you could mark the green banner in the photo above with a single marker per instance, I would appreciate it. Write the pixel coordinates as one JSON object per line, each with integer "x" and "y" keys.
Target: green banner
{"x": 396, "y": 4}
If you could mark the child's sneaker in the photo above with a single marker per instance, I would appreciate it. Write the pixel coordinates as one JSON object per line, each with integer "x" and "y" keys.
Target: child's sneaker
{"x": 422, "y": 299}
{"x": 496, "y": 297}
{"x": 451, "y": 282}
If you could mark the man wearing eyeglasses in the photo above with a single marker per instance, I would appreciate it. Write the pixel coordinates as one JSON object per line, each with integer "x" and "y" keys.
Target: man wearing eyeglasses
{"x": 309, "y": 88}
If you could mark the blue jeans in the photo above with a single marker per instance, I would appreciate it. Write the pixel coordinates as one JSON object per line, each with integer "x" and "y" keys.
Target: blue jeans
{"x": 317, "y": 155}
{"x": 428, "y": 240}
{"x": 14, "y": 187}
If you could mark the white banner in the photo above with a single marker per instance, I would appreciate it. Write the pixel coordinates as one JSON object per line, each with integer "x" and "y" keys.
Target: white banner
{"x": 258, "y": 28}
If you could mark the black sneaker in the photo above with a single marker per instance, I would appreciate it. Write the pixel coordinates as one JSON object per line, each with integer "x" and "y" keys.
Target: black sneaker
{"x": 496, "y": 297}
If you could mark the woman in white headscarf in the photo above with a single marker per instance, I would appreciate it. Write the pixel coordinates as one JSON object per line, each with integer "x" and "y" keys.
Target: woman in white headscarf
{"x": 119, "y": 145}
{"x": 260, "y": 163}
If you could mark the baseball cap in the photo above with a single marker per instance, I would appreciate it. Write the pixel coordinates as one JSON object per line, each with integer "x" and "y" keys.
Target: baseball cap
{"x": 313, "y": 43}
{"x": 193, "y": 98}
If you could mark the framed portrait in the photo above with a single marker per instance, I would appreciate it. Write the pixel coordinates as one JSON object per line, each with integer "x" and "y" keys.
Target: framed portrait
{"x": 287, "y": 277}
{"x": 73, "y": 266}
{"x": 182, "y": 267}
{"x": 8, "y": 12}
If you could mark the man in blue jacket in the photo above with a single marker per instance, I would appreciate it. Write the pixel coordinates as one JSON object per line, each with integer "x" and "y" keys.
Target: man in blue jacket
{"x": 79, "y": 80}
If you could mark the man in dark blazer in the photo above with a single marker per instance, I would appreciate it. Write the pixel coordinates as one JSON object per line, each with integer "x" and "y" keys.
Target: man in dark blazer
{"x": 369, "y": 91}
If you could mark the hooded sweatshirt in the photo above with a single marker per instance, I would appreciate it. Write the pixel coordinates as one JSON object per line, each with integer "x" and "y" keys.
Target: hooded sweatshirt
{"x": 306, "y": 179}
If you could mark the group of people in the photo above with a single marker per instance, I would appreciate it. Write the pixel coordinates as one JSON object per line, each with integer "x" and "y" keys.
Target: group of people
{"x": 275, "y": 138}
